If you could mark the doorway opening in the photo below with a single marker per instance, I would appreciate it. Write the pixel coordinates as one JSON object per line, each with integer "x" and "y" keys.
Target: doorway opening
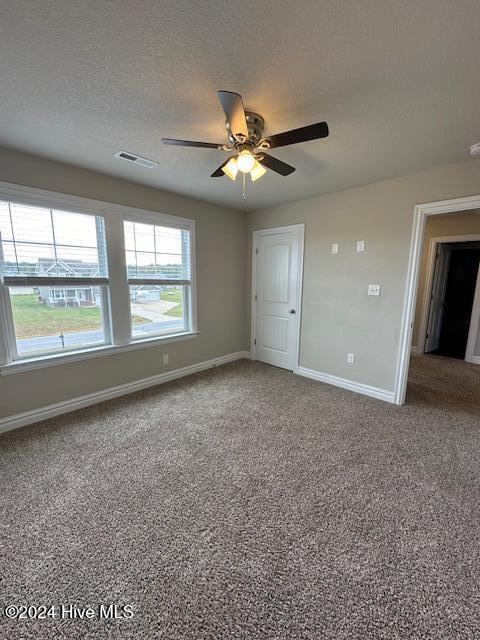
{"x": 447, "y": 315}
{"x": 455, "y": 278}
{"x": 441, "y": 313}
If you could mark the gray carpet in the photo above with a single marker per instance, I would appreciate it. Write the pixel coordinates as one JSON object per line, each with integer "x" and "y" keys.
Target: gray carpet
{"x": 246, "y": 502}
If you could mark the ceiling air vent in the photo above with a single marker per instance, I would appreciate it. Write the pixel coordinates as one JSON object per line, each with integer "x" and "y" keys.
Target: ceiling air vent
{"x": 130, "y": 157}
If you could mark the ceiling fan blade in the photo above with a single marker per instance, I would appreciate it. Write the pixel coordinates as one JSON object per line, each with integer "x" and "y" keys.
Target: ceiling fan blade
{"x": 303, "y": 134}
{"x": 232, "y": 104}
{"x": 274, "y": 164}
{"x": 191, "y": 143}
{"x": 218, "y": 173}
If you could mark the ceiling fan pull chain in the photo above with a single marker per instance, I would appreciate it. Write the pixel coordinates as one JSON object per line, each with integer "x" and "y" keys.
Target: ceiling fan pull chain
{"x": 244, "y": 188}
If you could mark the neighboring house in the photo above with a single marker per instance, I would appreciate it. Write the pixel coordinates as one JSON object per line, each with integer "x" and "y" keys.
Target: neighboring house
{"x": 146, "y": 293}
{"x": 21, "y": 291}
{"x": 74, "y": 296}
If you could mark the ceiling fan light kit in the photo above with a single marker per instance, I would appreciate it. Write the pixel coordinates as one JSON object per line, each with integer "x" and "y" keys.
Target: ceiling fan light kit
{"x": 245, "y": 161}
{"x": 231, "y": 169}
{"x": 244, "y": 164}
{"x": 245, "y": 131}
{"x": 257, "y": 172}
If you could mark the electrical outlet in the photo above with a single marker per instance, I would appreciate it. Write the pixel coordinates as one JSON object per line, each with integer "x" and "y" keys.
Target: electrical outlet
{"x": 165, "y": 358}
{"x": 373, "y": 289}
{"x": 350, "y": 358}
{"x": 360, "y": 245}
{"x": 334, "y": 247}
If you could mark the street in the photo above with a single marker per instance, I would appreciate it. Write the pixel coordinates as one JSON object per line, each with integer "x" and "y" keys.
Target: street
{"x": 79, "y": 339}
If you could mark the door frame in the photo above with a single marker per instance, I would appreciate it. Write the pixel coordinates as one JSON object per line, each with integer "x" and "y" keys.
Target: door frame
{"x": 421, "y": 211}
{"x": 422, "y": 327}
{"x": 300, "y": 228}
{"x": 474, "y": 325}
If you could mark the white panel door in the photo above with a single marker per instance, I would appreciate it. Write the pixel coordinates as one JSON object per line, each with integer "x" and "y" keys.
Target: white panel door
{"x": 277, "y": 283}
{"x": 439, "y": 286}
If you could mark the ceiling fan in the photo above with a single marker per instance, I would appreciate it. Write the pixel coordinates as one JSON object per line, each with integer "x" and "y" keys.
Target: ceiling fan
{"x": 245, "y": 131}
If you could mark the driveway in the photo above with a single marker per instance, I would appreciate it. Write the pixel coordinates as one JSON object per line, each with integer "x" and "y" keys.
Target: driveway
{"x": 154, "y": 311}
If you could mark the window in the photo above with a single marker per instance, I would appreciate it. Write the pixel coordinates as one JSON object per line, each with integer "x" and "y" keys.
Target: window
{"x": 55, "y": 323}
{"x": 159, "y": 277}
{"x": 56, "y": 293}
{"x": 45, "y": 250}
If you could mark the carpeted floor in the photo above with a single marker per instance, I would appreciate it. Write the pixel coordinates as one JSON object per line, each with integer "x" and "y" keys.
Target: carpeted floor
{"x": 246, "y": 502}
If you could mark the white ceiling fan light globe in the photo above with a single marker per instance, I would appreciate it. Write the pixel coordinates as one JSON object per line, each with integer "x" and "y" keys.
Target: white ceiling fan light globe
{"x": 245, "y": 161}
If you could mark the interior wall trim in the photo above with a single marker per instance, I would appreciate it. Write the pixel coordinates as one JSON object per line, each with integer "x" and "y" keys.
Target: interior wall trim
{"x": 58, "y": 408}
{"x": 351, "y": 385}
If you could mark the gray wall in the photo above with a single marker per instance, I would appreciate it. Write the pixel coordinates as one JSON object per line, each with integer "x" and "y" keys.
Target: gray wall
{"x": 338, "y": 316}
{"x": 220, "y": 247}
{"x": 458, "y": 224}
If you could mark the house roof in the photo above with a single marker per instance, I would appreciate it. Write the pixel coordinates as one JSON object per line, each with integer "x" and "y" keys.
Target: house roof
{"x": 74, "y": 267}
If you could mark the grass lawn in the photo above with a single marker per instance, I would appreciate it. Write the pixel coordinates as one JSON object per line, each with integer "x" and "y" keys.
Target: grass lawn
{"x": 174, "y": 295}
{"x": 34, "y": 319}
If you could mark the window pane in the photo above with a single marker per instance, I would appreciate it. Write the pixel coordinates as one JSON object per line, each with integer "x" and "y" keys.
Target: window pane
{"x": 44, "y": 242}
{"x": 157, "y": 310}
{"x": 78, "y": 262}
{"x": 31, "y": 259}
{"x": 170, "y": 258}
{"x": 76, "y": 229}
{"x": 144, "y": 237}
{"x": 52, "y": 319}
{"x": 131, "y": 264}
{"x": 157, "y": 252}
{"x": 31, "y": 223}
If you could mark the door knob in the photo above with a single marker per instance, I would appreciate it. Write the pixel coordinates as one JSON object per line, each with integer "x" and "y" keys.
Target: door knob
{"x": 292, "y": 311}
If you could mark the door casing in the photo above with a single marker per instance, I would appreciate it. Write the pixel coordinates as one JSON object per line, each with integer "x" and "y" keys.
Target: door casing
{"x": 420, "y": 215}
{"x": 300, "y": 228}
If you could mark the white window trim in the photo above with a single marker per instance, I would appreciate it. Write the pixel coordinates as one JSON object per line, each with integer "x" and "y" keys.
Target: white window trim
{"x": 118, "y": 308}
{"x": 65, "y": 357}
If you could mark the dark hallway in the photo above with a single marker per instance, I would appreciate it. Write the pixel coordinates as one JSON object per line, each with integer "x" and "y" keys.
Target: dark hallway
{"x": 458, "y": 302}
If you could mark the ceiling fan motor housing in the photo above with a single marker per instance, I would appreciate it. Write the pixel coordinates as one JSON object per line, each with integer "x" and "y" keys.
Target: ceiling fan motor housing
{"x": 255, "y": 124}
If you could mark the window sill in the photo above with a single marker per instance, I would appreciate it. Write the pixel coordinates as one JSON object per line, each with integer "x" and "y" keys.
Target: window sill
{"x": 75, "y": 356}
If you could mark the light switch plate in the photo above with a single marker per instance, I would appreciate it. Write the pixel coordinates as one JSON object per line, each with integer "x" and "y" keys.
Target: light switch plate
{"x": 360, "y": 245}
{"x": 373, "y": 289}
{"x": 350, "y": 358}
{"x": 334, "y": 247}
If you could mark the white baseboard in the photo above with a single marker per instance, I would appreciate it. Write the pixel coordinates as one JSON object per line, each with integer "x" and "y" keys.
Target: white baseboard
{"x": 49, "y": 411}
{"x": 344, "y": 383}
{"x": 474, "y": 360}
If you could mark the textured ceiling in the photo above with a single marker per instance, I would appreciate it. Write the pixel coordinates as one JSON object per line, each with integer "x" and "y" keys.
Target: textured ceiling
{"x": 397, "y": 81}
